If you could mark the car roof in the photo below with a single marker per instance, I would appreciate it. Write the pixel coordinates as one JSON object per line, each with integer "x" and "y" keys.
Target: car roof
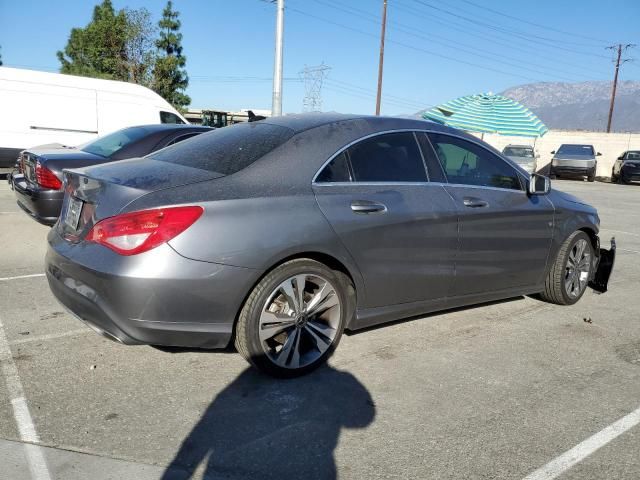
{"x": 511, "y": 145}
{"x": 307, "y": 121}
{"x": 576, "y": 145}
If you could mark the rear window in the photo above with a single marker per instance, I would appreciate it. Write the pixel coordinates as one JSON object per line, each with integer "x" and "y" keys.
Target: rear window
{"x": 226, "y": 150}
{"x": 110, "y": 144}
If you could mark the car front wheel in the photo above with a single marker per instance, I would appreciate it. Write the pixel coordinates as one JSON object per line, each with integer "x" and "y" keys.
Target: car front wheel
{"x": 293, "y": 319}
{"x": 569, "y": 275}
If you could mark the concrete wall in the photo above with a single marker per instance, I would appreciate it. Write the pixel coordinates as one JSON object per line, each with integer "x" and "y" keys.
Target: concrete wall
{"x": 611, "y": 145}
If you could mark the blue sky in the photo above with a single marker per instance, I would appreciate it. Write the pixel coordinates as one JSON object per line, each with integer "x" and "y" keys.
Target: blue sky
{"x": 436, "y": 50}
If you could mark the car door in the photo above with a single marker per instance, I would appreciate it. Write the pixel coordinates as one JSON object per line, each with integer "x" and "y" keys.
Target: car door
{"x": 505, "y": 234}
{"x": 400, "y": 228}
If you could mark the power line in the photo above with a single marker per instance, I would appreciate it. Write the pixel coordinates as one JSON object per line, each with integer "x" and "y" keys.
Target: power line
{"x": 546, "y": 27}
{"x": 453, "y": 44}
{"x": 413, "y": 47}
{"x": 509, "y": 42}
{"x": 554, "y": 43}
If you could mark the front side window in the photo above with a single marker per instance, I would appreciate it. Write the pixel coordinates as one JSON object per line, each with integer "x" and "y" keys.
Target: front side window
{"x": 633, "y": 156}
{"x": 168, "y": 117}
{"x": 467, "y": 163}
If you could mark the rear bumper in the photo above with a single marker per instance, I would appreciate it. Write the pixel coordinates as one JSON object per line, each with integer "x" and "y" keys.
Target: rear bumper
{"x": 155, "y": 298}
{"x": 42, "y": 205}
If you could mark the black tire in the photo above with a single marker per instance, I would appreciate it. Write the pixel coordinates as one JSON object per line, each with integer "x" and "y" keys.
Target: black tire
{"x": 554, "y": 285}
{"x": 620, "y": 180}
{"x": 247, "y": 336}
{"x": 614, "y": 179}
{"x": 592, "y": 176}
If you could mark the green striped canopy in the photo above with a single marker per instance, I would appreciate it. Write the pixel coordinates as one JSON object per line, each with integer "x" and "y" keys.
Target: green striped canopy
{"x": 488, "y": 113}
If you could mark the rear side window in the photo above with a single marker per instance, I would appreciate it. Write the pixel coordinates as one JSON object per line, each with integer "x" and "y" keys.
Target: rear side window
{"x": 336, "y": 171}
{"x": 226, "y": 150}
{"x": 168, "y": 117}
{"x": 391, "y": 157}
{"x": 183, "y": 137}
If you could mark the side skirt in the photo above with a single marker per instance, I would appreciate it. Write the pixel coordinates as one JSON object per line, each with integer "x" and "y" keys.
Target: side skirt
{"x": 368, "y": 317}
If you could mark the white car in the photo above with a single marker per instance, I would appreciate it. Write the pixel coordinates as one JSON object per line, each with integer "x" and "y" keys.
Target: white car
{"x": 523, "y": 155}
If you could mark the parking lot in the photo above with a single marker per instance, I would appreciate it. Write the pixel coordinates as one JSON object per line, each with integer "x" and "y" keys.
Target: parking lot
{"x": 494, "y": 391}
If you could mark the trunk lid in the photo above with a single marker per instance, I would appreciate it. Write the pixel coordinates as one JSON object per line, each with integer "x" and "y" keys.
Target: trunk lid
{"x": 102, "y": 191}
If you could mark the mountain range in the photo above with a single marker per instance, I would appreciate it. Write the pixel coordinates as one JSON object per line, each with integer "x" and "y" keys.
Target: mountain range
{"x": 581, "y": 106}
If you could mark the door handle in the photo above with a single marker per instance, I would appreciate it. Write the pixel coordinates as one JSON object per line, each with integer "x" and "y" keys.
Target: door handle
{"x": 474, "y": 202}
{"x": 364, "y": 206}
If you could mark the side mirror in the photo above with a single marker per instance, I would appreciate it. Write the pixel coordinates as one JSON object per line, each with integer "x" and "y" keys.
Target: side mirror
{"x": 539, "y": 184}
{"x": 553, "y": 152}
{"x": 621, "y": 157}
{"x": 598, "y": 154}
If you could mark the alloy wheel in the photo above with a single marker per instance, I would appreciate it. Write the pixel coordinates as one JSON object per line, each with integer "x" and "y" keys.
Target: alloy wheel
{"x": 577, "y": 269}
{"x": 299, "y": 321}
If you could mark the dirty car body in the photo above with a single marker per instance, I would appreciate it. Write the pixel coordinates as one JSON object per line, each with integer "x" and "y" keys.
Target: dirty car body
{"x": 303, "y": 187}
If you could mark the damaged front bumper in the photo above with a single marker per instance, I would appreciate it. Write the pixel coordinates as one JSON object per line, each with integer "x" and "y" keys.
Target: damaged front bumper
{"x": 604, "y": 262}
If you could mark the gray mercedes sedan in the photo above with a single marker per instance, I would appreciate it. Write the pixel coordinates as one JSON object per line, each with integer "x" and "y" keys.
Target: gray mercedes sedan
{"x": 278, "y": 235}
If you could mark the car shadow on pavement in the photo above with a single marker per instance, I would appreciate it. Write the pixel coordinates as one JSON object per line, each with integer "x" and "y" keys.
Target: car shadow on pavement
{"x": 260, "y": 427}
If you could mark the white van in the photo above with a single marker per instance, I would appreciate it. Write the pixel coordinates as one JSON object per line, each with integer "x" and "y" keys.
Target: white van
{"x": 39, "y": 108}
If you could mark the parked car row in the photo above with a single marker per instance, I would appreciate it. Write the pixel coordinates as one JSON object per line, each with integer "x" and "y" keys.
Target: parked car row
{"x": 278, "y": 235}
{"x": 576, "y": 161}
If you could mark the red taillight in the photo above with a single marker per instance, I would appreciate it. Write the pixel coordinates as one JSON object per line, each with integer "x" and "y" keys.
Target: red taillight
{"x": 46, "y": 178}
{"x": 137, "y": 232}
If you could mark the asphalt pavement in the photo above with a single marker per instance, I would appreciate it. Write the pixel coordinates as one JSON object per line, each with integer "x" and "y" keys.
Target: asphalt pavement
{"x": 495, "y": 391}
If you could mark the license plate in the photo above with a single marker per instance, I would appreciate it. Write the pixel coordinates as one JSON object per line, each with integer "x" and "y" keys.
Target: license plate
{"x": 72, "y": 217}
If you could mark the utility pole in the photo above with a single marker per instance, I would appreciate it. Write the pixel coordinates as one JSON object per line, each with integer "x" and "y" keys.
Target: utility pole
{"x": 276, "y": 101}
{"x": 618, "y": 61}
{"x": 381, "y": 61}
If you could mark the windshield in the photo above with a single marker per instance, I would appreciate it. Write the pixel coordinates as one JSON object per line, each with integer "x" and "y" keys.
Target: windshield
{"x": 633, "y": 156}
{"x": 584, "y": 150}
{"x": 226, "y": 150}
{"x": 524, "y": 152}
{"x": 109, "y": 144}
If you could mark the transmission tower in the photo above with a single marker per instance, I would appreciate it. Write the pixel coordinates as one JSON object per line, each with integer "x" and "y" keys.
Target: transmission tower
{"x": 313, "y": 78}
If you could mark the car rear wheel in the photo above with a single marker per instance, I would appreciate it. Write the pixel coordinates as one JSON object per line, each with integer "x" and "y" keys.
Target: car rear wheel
{"x": 569, "y": 275}
{"x": 614, "y": 178}
{"x": 293, "y": 319}
{"x": 592, "y": 176}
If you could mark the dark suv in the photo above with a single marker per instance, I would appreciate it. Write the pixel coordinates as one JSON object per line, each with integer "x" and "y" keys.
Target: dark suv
{"x": 574, "y": 161}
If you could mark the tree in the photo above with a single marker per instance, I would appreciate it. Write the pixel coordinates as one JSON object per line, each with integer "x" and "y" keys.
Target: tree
{"x": 169, "y": 76}
{"x": 140, "y": 55}
{"x": 114, "y": 45}
{"x": 98, "y": 49}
